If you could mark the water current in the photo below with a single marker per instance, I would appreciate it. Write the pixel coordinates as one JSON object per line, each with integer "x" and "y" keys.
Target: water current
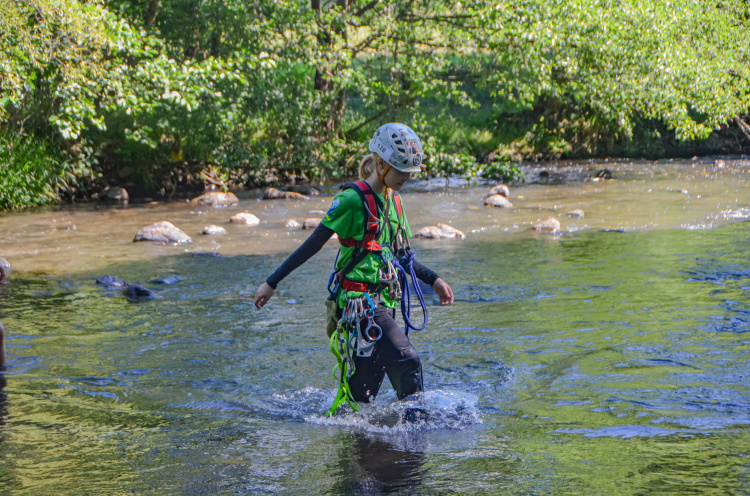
{"x": 611, "y": 358}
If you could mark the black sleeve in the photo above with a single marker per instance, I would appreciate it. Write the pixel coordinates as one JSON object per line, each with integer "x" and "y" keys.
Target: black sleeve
{"x": 424, "y": 274}
{"x": 310, "y": 247}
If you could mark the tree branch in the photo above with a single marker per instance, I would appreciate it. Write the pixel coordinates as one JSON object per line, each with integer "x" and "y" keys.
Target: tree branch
{"x": 744, "y": 127}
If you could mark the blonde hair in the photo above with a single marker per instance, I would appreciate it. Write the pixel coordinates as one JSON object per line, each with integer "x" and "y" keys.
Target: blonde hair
{"x": 367, "y": 166}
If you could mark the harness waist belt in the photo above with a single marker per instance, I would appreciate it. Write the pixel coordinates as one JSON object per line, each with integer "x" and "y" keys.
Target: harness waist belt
{"x": 362, "y": 287}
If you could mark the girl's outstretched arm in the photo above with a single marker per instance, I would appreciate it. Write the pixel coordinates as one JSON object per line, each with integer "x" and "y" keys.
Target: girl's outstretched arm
{"x": 444, "y": 292}
{"x": 310, "y": 247}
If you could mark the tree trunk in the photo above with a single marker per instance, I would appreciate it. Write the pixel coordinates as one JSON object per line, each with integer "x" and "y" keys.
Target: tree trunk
{"x": 153, "y": 10}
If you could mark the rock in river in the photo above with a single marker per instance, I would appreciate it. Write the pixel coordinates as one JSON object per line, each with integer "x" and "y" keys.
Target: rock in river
{"x": 213, "y": 230}
{"x": 275, "y": 194}
{"x": 311, "y": 223}
{"x": 498, "y": 201}
{"x": 136, "y": 292}
{"x": 578, "y": 213}
{"x": 216, "y": 199}
{"x": 441, "y": 231}
{"x": 245, "y": 218}
{"x": 500, "y": 189}
{"x": 110, "y": 282}
{"x": 164, "y": 232}
{"x": 550, "y": 225}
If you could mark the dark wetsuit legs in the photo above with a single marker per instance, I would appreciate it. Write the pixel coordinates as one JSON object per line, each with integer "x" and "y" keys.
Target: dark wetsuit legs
{"x": 394, "y": 355}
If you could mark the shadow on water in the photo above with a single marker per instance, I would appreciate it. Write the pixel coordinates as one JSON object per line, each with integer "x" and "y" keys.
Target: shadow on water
{"x": 369, "y": 465}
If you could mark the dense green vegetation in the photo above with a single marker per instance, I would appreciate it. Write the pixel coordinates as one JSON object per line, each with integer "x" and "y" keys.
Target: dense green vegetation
{"x": 161, "y": 96}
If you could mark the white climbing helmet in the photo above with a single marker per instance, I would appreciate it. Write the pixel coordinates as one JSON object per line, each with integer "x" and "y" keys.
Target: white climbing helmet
{"x": 399, "y": 146}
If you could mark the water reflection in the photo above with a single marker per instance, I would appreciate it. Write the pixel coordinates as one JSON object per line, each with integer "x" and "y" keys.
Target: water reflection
{"x": 370, "y": 465}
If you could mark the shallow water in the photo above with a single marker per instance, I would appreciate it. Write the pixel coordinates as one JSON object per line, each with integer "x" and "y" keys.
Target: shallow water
{"x": 609, "y": 359}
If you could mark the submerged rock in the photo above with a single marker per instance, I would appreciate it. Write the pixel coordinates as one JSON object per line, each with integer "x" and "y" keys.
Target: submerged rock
{"x": 550, "y": 225}
{"x": 311, "y": 223}
{"x": 117, "y": 194}
{"x": 213, "y": 230}
{"x": 110, "y": 282}
{"x": 245, "y": 218}
{"x": 498, "y": 201}
{"x": 167, "y": 280}
{"x": 164, "y": 232}
{"x": 216, "y": 199}
{"x": 578, "y": 213}
{"x": 4, "y": 270}
{"x": 441, "y": 231}
{"x": 137, "y": 292}
{"x": 275, "y": 194}
{"x": 292, "y": 224}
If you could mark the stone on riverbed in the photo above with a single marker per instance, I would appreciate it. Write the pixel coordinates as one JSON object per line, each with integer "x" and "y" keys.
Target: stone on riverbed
{"x": 550, "y": 225}
{"x": 167, "y": 280}
{"x": 498, "y": 201}
{"x": 213, "y": 230}
{"x": 216, "y": 199}
{"x": 441, "y": 231}
{"x": 245, "y": 218}
{"x": 500, "y": 189}
{"x": 117, "y": 194}
{"x": 4, "y": 270}
{"x": 136, "y": 292}
{"x": 110, "y": 282}
{"x": 578, "y": 213}
{"x": 275, "y": 194}
{"x": 292, "y": 224}
{"x": 164, "y": 232}
{"x": 311, "y": 223}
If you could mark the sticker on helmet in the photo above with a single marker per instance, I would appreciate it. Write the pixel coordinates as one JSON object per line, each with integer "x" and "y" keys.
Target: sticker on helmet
{"x": 383, "y": 150}
{"x": 417, "y": 160}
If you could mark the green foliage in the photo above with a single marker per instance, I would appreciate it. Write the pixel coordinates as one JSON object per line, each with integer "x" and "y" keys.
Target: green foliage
{"x": 30, "y": 174}
{"x": 161, "y": 95}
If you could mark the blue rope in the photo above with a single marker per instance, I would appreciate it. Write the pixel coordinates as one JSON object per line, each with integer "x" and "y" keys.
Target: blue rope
{"x": 406, "y": 264}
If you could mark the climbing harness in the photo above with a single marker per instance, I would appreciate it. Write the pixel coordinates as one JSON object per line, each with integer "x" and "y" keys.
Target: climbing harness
{"x": 355, "y": 336}
{"x": 356, "y": 332}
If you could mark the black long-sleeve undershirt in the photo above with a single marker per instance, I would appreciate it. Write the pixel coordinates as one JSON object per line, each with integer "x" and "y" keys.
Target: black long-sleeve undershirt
{"x": 313, "y": 245}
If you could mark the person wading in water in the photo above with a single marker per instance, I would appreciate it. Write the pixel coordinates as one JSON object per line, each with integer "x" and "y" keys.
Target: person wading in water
{"x": 369, "y": 281}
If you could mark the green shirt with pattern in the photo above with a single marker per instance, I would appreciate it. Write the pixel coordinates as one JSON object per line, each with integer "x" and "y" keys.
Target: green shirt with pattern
{"x": 347, "y": 218}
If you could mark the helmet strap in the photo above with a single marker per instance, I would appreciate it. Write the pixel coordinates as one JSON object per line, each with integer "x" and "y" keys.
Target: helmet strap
{"x": 382, "y": 178}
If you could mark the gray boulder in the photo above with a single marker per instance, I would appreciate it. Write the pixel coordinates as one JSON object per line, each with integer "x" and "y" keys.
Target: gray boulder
{"x": 164, "y": 232}
{"x": 550, "y": 225}
{"x": 136, "y": 292}
{"x": 213, "y": 230}
{"x": 245, "y": 218}
{"x": 500, "y": 189}
{"x": 109, "y": 282}
{"x": 216, "y": 199}
{"x": 117, "y": 194}
{"x": 441, "y": 231}
{"x": 577, "y": 213}
{"x": 498, "y": 201}
{"x": 311, "y": 223}
{"x": 275, "y": 194}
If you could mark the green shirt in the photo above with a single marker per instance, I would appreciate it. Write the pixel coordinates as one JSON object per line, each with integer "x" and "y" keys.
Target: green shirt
{"x": 347, "y": 218}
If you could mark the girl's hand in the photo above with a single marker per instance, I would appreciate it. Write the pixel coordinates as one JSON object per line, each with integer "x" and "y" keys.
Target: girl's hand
{"x": 264, "y": 293}
{"x": 443, "y": 291}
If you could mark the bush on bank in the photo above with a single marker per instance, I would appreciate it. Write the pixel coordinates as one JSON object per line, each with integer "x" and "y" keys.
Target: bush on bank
{"x": 163, "y": 97}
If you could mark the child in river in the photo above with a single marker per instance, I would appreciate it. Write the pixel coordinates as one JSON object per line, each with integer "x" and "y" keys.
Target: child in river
{"x": 373, "y": 233}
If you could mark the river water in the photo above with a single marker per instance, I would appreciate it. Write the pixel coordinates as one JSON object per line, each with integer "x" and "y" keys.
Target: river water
{"x": 612, "y": 358}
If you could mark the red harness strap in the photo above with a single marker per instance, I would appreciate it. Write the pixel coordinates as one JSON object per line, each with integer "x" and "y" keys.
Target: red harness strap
{"x": 369, "y": 242}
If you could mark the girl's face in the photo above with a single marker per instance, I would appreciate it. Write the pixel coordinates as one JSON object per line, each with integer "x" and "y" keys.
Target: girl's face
{"x": 394, "y": 178}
